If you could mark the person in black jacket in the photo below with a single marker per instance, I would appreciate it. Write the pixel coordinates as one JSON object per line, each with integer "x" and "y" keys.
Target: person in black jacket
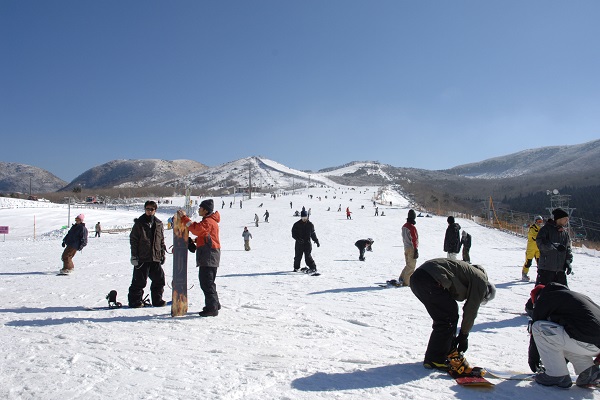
{"x": 76, "y": 239}
{"x": 566, "y": 326}
{"x": 452, "y": 239}
{"x": 554, "y": 243}
{"x": 303, "y": 231}
{"x": 465, "y": 242}
{"x": 363, "y": 244}
{"x": 148, "y": 248}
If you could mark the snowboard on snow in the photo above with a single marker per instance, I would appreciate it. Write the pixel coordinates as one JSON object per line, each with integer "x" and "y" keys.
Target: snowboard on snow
{"x": 391, "y": 283}
{"x": 473, "y": 379}
{"x": 179, "y": 305}
{"x": 306, "y": 270}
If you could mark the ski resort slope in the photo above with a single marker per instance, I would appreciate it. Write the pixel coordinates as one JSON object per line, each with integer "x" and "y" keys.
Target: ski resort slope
{"x": 279, "y": 335}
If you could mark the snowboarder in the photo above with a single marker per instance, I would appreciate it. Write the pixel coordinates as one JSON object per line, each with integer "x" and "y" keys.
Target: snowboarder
{"x": 554, "y": 243}
{"x": 208, "y": 253}
{"x": 532, "y": 250}
{"x": 452, "y": 239}
{"x": 439, "y": 284}
{"x": 147, "y": 240}
{"x": 465, "y": 242}
{"x": 410, "y": 239}
{"x": 376, "y": 211}
{"x": 348, "y": 213}
{"x": 98, "y": 229}
{"x": 256, "y": 219}
{"x": 266, "y": 215}
{"x": 364, "y": 244}
{"x": 247, "y": 236}
{"x": 566, "y": 328}
{"x": 76, "y": 239}
{"x": 302, "y": 232}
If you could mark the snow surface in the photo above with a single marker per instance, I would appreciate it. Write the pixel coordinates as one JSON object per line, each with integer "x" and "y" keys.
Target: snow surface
{"x": 280, "y": 335}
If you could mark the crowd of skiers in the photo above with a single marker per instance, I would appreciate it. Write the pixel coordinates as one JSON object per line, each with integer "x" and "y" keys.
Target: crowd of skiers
{"x": 565, "y": 325}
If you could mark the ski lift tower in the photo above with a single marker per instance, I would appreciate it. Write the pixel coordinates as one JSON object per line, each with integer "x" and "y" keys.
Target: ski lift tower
{"x": 558, "y": 200}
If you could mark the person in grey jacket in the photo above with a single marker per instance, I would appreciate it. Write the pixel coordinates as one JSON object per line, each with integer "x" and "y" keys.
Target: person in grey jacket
{"x": 247, "y": 236}
{"x": 556, "y": 256}
{"x": 76, "y": 239}
{"x": 439, "y": 284}
{"x": 147, "y": 240}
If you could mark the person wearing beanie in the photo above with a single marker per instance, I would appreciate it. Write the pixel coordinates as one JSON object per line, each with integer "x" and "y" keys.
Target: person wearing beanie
{"x": 565, "y": 329}
{"x": 439, "y": 284}
{"x": 303, "y": 231}
{"x": 208, "y": 253}
{"x": 362, "y": 245}
{"x": 148, "y": 249}
{"x": 554, "y": 243}
{"x": 452, "y": 239}
{"x": 410, "y": 239}
{"x": 532, "y": 250}
{"x": 76, "y": 239}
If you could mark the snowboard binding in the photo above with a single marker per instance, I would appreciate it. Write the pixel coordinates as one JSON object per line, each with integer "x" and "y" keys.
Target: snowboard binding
{"x": 112, "y": 300}
{"x": 460, "y": 366}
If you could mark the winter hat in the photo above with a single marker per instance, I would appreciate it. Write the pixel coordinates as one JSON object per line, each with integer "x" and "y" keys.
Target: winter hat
{"x": 559, "y": 213}
{"x": 450, "y": 219}
{"x": 412, "y": 214}
{"x": 490, "y": 293}
{"x": 208, "y": 205}
{"x": 535, "y": 293}
{"x": 304, "y": 213}
{"x": 80, "y": 217}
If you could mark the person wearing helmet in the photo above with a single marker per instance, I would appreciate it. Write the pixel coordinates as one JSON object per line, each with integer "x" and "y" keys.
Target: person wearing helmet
{"x": 532, "y": 250}
{"x": 364, "y": 244}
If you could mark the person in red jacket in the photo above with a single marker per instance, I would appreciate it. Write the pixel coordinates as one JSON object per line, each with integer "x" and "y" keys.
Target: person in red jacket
{"x": 208, "y": 253}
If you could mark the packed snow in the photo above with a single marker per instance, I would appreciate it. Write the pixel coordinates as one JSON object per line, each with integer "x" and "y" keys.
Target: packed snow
{"x": 280, "y": 334}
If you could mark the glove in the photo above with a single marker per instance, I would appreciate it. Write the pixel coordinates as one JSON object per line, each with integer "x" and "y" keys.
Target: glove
{"x": 534, "y": 361}
{"x": 461, "y": 342}
{"x": 318, "y": 244}
{"x": 568, "y": 269}
{"x": 561, "y": 248}
{"x": 63, "y": 244}
{"x": 416, "y": 255}
{"x": 134, "y": 261}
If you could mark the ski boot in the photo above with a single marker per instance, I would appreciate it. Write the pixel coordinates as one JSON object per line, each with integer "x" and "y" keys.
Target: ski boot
{"x": 460, "y": 366}
{"x": 525, "y": 277}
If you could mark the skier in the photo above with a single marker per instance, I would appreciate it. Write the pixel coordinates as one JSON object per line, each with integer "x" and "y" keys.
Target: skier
{"x": 266, "y": 215}
{"x": 364, "y": 244}
{"x": 147, "y": 240}
{"x": 555, "y": 250}
{"x": 439, "y": 284}
{"x": 302, "y": 232}
{"x": 452, "y": 239}
{"x": 465, "y": 242}
{"x": 410, "y": 239}
{"x": 566, "y": 328}
{"x": 247, "y": 236}
{"x": 76, "y": 239}
{"x": 208, "y": 253}
{"x": 532, "y": 250}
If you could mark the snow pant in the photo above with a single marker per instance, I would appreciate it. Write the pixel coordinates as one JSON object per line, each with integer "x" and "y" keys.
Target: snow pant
{"x": 528, "y": 262}
{"x": 67, "y": 257}
{"x": 303, "y": 249}
{"x": 544, "y": 277}
{"x": 247, "y": 245}
{"x": 555, "y": 345}
{"x": 207, "y": 276}
{"x": 442, "y": 309}
{"x": 452, "y": 256}
{"x": 141, "y": 273}
{"x": 465, "y": 255}
{"x": 411, "y": 264}
{"x": 361, "y": 253}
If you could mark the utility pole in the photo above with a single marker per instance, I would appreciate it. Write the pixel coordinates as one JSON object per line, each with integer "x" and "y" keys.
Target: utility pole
{"x": 249, "y": 181}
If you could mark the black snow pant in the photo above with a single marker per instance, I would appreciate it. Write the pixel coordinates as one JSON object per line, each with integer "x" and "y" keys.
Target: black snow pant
{"x": 207, "y": 276}
{"x": 442, "y": 309}
{"x": 544, "y": 277}
{"x": 361, "y": 254}
{"x": 303, "y": 249}
{"x": 141, "y": 273}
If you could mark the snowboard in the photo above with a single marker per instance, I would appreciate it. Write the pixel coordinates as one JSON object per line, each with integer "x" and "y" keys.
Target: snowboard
{"x": 305, "y": 270}
{"x": 475, "y": 379}
{"x": 179, "y": 305}
{"x": 511, "y": 376}
{"x": 391, "y": 283}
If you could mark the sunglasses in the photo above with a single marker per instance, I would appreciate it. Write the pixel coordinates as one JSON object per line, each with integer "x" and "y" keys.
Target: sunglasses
{"x": 150, "y": 209}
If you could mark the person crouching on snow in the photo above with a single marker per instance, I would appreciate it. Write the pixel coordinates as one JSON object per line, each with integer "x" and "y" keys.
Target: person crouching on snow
{"x": 363, "y": 244}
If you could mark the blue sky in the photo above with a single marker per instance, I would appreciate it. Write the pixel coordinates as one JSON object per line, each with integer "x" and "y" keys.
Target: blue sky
{"x": 311, "y": 84}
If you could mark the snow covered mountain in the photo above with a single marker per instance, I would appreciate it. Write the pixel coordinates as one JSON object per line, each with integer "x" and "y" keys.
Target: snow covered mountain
{"x": 15, "y": 177}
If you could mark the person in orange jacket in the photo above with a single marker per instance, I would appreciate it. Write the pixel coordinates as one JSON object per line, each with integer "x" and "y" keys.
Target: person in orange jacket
{"x": 208, "y": 253}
